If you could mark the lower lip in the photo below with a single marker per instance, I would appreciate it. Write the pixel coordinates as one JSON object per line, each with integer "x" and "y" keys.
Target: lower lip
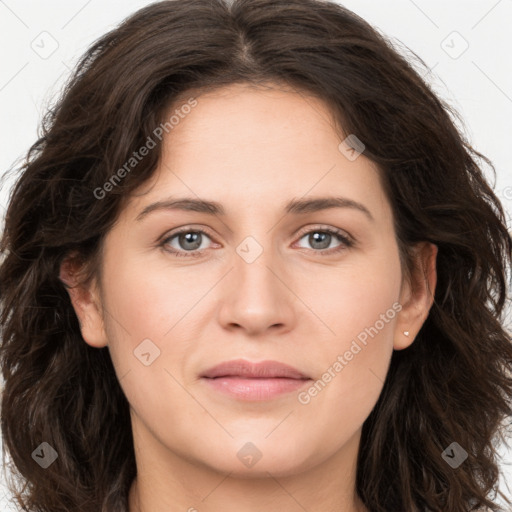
{"x": 255, "y": 389}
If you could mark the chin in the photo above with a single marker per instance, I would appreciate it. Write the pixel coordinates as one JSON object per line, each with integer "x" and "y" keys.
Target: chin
{"x": 246, "y": 459}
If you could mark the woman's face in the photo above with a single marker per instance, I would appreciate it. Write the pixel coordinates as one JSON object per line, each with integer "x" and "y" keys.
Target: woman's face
{"x": 264, "y": 282}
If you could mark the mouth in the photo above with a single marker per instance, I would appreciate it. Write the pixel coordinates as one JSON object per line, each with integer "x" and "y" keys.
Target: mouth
{"x": 249, "y": 381}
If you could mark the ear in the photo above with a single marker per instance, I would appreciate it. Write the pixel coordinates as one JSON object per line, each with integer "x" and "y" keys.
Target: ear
{"x": 416, "y": 295}
{"x": 86, "y": 302}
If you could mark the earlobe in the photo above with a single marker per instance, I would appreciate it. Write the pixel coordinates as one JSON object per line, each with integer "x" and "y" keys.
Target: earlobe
{"x": 417, "y": 295}
{"x": 86, "y": 302}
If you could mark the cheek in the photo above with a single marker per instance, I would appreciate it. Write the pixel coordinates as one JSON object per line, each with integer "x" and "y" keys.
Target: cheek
{"x": 144, "y": 308}
{"x": 352, "y": 298}
{"x": 358, "y": 309}
{"x": 148, "y": 300}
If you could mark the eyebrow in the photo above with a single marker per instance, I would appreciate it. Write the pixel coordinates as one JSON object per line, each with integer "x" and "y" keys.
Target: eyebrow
{"x": 295, "y": 206}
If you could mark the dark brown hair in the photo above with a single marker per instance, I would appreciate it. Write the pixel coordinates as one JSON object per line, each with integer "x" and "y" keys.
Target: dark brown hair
{"x": 453, "y": 384}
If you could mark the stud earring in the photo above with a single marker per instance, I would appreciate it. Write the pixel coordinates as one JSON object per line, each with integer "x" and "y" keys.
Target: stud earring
{"x": 406, "y": 333}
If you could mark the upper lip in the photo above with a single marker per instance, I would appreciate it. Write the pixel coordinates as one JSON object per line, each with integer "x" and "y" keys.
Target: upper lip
{"x": 248, "y": 369}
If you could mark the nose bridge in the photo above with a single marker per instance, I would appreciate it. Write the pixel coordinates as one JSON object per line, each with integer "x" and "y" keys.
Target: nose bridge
{"x": 257, "y": 299}
{"x": 256, "y": 262}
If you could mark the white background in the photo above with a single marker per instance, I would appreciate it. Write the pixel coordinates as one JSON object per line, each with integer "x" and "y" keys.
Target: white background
{"x": 476, "y": 80}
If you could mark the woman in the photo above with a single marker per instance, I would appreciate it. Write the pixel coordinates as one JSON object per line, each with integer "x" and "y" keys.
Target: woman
{"x": 251, "y": 265}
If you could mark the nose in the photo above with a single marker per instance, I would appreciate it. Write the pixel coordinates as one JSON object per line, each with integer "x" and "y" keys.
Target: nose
{"x": 257, "y": 296}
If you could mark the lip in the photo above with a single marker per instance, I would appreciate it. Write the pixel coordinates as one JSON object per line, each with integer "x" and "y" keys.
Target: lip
{"x": 245, "y": 380}
{"x": 247, "y": 369}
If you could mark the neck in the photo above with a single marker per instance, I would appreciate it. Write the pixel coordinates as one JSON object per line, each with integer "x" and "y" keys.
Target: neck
{"x": 144, "y": 503}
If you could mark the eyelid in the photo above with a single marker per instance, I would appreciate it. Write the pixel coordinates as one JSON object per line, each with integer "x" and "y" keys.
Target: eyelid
{"x": 323, "y": 227}
{"x": 184, "y": 229}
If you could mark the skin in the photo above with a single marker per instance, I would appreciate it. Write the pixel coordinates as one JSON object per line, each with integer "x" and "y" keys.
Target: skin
{"x": 292, "y": 304}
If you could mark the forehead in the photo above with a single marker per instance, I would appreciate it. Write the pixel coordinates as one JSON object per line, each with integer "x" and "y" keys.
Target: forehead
{"x": 246, "y": 144}
{"x": 233, "y": 114}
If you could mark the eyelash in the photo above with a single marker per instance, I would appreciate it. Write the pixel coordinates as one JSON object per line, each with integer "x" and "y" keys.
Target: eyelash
{"x": 346, "y": 241}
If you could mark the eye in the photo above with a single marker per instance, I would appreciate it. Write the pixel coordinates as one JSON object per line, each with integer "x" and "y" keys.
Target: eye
{"x": 190, "y": 242}
{"x": 321, "y": 238}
